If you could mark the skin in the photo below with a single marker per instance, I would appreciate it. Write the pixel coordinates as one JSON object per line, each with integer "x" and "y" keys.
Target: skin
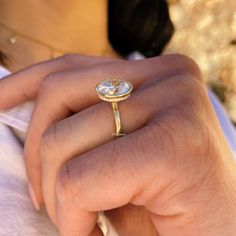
{"x": 172, "y": 174}
{"x": 77, "y": 26}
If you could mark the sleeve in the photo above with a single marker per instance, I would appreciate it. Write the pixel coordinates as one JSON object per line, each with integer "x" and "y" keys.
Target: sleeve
{"x": 226, "y": 124}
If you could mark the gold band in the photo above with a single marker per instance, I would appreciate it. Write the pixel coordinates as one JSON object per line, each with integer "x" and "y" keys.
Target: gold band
{"x": 114, "y": 91}
{"x": 117, "y": 119}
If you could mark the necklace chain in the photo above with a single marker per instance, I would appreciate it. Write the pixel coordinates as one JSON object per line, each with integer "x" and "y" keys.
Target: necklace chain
{"x": 15, "y": 33}
{"x": 53, "y": 50}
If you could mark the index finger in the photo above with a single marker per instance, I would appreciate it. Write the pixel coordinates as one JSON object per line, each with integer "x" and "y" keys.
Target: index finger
{"x": 24, "y": 85}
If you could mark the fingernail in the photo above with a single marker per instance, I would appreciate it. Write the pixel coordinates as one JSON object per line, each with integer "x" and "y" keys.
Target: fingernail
{"x": 33, "y": 198}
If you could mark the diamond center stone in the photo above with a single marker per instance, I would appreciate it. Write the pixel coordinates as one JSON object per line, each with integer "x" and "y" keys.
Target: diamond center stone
{"x": 114, "y": 87}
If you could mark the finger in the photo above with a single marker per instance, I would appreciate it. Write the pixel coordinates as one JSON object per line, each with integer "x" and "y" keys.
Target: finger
{"x": 76, "y": 92}
{"x": 72, "y": 94}
{"x": 23, "y": 85}
{"x": 136, "y": 168}
{"x": 116, "y": 173}
{"x": 85, "y": 130}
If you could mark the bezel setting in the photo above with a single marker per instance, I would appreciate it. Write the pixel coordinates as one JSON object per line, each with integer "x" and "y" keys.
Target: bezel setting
{"x": 113, "y": 90}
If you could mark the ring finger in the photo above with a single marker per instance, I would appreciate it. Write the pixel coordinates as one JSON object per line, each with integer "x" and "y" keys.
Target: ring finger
{"x": 88, "y": 129}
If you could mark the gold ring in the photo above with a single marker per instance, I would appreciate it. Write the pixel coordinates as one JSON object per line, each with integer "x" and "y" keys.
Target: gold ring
{"x": 114, "y": 91}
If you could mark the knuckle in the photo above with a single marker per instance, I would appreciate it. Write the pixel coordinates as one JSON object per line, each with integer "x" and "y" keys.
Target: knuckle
{"x": 188, "y": 65}
{"x": 63, "y": 185}
{"x": 48, "y": 144}
{"x": 185, "y": 91}
{"x": 180, "y": 127}
{"x": 50, "y": 83}
{"x": 183, "y": 64}
{"x": 192, "y": 88}
{"x": 50, "y": 78}
{"x": 66, "y": 188}
{"x": 46, "y": 86}
{"x": 55, "y": 140}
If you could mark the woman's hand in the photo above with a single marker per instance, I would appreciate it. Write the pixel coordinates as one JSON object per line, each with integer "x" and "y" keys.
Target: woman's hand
{"x": 174, "y": 162}
{"x": 64, "y": 86}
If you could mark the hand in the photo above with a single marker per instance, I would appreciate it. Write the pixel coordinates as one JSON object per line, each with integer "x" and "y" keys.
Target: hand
{"x": 169, "y": 162}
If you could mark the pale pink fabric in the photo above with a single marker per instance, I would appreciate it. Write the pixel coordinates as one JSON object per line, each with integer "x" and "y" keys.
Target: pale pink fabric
{"x": 17, "y": 214}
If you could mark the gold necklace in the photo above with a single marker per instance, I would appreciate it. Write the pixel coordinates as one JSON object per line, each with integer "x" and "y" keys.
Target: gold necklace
{"x": 13, "y": 40}
{"x": 54, "y": 52}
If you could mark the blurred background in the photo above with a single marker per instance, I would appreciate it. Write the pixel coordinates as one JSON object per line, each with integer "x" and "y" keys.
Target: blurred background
{"x": 206, "y": 31}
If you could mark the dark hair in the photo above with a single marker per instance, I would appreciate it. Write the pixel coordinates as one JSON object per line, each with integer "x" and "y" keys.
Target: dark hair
{"x": 136, "y": 25}
{"x": 139, "y": 25}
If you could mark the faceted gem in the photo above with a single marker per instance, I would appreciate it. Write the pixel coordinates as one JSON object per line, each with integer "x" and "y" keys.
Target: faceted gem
{"x": 113, "y": 87}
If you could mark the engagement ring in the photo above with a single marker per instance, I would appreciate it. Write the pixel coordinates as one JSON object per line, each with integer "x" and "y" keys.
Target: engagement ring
{"x": 114, "y": 91}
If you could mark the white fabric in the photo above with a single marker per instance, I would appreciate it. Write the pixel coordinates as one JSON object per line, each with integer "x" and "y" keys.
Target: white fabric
{"x": 17, "y": 215}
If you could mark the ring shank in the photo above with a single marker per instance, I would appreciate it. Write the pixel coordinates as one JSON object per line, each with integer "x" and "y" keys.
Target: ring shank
{"x": 117, "y": 119}
{"x": 114, "y": 91}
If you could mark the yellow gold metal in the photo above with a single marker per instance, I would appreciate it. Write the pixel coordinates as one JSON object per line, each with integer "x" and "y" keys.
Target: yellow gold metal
{"x": 114, "y": 91}
{"x": 117, "y": 119}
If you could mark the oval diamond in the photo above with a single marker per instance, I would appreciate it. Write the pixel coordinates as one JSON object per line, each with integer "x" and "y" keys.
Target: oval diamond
{"x": 114, "y": 87}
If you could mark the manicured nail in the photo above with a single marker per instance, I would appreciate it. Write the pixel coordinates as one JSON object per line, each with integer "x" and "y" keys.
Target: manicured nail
{"x": 33, "y": 198}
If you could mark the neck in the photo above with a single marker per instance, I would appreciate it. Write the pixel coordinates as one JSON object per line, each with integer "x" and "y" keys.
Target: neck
{"x": 75, "y": 27}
